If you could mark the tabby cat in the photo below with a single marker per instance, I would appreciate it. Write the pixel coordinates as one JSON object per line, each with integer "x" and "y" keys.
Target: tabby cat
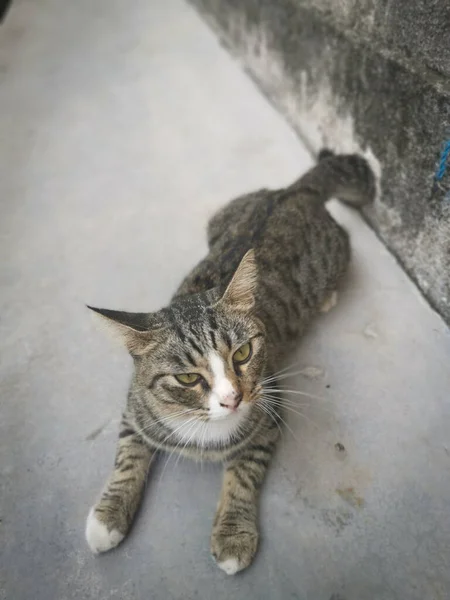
{"x": 202, "y": 365}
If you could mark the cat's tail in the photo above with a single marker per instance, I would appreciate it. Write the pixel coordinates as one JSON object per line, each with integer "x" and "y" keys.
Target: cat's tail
{"x": 347, "y": 177}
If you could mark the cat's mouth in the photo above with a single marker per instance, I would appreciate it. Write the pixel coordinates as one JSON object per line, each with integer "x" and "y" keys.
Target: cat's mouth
{"x": 229, "y": 413}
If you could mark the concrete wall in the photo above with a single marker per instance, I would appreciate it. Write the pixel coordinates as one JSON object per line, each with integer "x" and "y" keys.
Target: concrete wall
{"x": 365, "y": 75}
{"x": 408, "y": 29}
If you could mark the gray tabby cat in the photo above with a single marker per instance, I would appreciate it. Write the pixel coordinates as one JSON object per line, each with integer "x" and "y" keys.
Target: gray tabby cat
{"x": 202, "y": 365}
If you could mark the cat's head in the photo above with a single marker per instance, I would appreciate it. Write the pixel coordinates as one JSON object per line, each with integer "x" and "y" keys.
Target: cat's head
{"x": 203, "y": 357}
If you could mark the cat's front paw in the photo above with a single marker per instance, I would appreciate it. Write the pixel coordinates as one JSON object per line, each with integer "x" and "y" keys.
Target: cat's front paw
{"x": 101, "y": 535}
{"x": 233, "y": 548}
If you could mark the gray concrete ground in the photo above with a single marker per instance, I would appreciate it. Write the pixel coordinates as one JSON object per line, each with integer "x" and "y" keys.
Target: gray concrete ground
{"x": 124, "y": 126}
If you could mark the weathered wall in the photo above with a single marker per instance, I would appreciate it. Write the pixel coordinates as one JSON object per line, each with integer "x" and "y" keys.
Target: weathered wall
{"x": 370, "y": 77}
{"x": 417, "y": 30}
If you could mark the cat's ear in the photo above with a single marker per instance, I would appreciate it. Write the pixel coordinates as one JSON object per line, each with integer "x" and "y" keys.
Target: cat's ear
{"x": 132, "y": 329}
{"x": 240, "y": 293}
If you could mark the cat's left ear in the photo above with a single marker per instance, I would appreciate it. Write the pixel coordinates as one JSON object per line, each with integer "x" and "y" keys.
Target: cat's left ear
{"x": 240, "y": 293}
{"x": 132, "y": 329}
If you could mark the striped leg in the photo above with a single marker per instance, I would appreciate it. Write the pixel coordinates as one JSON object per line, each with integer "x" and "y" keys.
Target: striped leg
{"x": 110, "y": 519}
{"x": 234, "y": 538}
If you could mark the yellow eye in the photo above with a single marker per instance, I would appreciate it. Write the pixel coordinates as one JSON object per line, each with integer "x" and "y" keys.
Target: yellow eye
{"x": 188, "y": 378}
{"x": 243, "y": 354}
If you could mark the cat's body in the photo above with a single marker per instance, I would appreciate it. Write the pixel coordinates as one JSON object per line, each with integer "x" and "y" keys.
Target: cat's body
{"x": 275, "y": 258}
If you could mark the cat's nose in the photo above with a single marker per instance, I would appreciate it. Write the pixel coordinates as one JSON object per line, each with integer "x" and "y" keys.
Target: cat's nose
{"x": 232, "y": 400}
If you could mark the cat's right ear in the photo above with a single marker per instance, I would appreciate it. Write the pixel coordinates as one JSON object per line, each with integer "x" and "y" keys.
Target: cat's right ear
{"x": 132, "y": 329}
{"x": 240, "y": 293}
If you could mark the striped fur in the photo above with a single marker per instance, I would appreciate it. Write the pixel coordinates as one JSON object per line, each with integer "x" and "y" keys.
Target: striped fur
{"x": 275, "y": 260}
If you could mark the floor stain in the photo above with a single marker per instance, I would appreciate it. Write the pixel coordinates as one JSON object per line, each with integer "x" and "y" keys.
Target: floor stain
{"x": 338, "y": 519}
{"x": 350, "y": 496}
{"x": 370, "y": 331}
{"x": 94, "y": 434}
{"x": 312, "y": 372}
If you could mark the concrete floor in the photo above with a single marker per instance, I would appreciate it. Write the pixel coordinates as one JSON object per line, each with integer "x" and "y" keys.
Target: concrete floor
{"x": 124, "y": 126}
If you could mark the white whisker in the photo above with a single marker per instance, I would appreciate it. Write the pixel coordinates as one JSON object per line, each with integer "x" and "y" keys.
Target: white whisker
{"x": 194, "y": 432}
{"x": 281, "y": 371}
{"x": 271, "y": 408}
{"x": 192, "y": 419}
{"x": 298, "y": 413}
{"x": 280, "y": 402}
{"x": 298, "y": 392}
{"x": 181, "y": 440}
{"x": 265, "y": 410}
{"x": 280, "y": 376}
{"x": 202, "y": 443}
{"x": 288, "y": 402}
{"x": 152, "y": 423}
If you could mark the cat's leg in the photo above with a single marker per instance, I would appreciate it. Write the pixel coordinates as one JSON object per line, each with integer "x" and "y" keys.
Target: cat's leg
{"x": 234, "y": 538}
{"x": 330, "y": 302}
{"x": 110, "y": 519}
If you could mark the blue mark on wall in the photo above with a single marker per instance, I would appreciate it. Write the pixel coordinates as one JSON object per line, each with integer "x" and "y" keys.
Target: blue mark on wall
{"x": 442, "y": 167}
{"x": 440, "y": 172}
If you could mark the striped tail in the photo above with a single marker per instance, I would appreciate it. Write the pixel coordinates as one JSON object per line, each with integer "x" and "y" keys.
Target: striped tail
{"x": 347, "y": 177}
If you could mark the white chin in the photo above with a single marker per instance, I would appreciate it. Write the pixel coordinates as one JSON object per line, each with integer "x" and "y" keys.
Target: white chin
{"x": 225, "y": 415}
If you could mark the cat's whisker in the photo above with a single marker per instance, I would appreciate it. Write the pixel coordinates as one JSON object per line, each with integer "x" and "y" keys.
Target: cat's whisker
{"x": 179, "y": 428}
{"x": 151, "y": 419}
{"x": 298, "y": 413}
{"x": 152, "y": 423}
{"x": 281, "y": 404}
{"x": 293, "y": 403}
{"x": 271, "y": 408}
{"x": 281, "y": 371}
{"x": 265, "y": 410}
{"x": 176, "y": 415}
{"x": 202, "y": 445}
{"x": 283, "y": 386}
{"x": 280, "y": 376}
{"x": 298, "y": 392}
{"x": 174, "y": 449}
{"x": 192, "y": 434}
{"x": 172, "y": 417}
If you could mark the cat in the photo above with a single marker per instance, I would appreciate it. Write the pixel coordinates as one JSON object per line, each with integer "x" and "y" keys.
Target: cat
{"x": 203, "y": 366}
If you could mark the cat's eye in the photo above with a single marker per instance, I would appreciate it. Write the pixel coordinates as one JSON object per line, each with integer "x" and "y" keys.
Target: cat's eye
{"x": 188, "y": 378}
{"x": 242, "y": 354}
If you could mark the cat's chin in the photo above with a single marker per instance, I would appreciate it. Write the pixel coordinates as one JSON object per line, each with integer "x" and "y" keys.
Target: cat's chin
{"x": 231, "y": 415}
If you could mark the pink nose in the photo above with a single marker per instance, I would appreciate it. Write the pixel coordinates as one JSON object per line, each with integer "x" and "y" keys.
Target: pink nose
{"x": 231, "y": 400}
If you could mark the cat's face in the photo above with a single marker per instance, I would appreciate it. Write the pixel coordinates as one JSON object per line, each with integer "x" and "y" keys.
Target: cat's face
{"x": 208, "y": 366}
{"x": 203, "y": 361}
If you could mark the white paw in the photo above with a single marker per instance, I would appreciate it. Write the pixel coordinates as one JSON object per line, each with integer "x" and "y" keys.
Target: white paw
{"x": 330, "y": 302}
{"x": 230, "y": 566}
{"x": 98, "y": 537}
